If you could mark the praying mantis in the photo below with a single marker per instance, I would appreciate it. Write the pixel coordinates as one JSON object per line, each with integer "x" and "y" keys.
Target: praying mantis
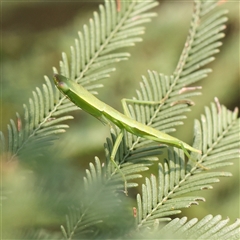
{"x": 105, "y": 113}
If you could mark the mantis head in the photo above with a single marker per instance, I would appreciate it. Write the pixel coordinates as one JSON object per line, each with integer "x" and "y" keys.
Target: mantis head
{"x": 61, "y": 83}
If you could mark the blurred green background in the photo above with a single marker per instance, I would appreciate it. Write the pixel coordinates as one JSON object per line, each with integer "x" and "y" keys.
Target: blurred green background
{"x": 33, "y": 36}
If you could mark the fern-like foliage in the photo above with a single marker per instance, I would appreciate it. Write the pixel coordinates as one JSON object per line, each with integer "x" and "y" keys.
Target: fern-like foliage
{"x": 171, "y": 92}
{"x": 162, "y": 196}
{"x": 101, "y": 205}
{"x": 218, "y": 137}
{"x": 39, "y": 126}
{"x": 210, "y": 227}
{"x": 91, "y": 56}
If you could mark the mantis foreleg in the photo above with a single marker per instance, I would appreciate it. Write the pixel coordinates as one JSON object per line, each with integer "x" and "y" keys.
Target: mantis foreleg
{"x": 112, "y": 158}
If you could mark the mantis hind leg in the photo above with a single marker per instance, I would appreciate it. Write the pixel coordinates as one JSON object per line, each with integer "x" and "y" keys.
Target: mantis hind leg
{"x": 112, "y": 158}
{"x": 190, "y": 158}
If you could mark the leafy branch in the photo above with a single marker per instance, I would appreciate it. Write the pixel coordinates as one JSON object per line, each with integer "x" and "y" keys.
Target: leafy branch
{"x": 102, "y": 210}
{"x": 162, "y": 196}
{"x": 107, "y": 31}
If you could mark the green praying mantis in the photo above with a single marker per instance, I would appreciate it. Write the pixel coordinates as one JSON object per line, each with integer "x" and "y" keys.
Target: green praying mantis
{"x": 105, "y": 113}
